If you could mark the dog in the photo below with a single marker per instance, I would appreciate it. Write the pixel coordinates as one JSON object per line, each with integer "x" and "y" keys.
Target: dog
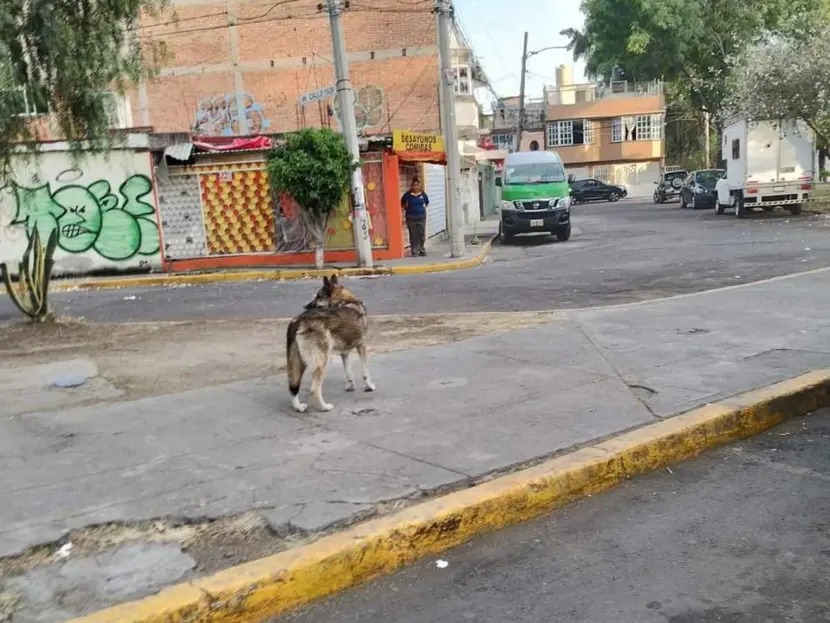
{"x": 335, "y": 320}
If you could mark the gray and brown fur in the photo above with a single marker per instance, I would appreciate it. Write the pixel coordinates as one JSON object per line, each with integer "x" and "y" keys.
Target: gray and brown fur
{"x": 334, "y": 321}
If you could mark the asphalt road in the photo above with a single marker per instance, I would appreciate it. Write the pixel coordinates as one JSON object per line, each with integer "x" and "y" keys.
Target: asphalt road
{"x": 619, "y": 253}
{"x": 741, "y": 535}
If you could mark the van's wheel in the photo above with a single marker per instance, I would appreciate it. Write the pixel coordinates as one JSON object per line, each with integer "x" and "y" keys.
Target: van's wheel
{"x": 740, "y": 209}
{"x": 719, "y": 209}
{"x": 795, "y": 210}
{"x": 504, "y": 237}
{"x": 562, "y": 233}
{"x": 769, "y": 208}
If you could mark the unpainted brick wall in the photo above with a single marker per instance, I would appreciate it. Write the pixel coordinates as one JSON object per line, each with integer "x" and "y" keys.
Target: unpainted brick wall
{"x": 289, "y": 44}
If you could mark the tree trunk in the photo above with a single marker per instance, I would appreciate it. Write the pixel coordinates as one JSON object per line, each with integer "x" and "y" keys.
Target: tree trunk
{"x": 318, "y": 254}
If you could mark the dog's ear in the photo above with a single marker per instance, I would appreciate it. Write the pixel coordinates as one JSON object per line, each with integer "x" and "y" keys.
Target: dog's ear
{"x": 334, "y": 281}
{"x": 326, "y": 283}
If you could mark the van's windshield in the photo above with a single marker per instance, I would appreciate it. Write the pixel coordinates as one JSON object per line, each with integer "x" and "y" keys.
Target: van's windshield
{"x": 535, "y": 173}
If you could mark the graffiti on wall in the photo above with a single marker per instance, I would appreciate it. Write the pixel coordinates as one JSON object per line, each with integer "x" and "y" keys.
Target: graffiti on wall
{"x": 90, "y": 218}
{"x": 369, "y": 107}
{"x": 218, "y": 116}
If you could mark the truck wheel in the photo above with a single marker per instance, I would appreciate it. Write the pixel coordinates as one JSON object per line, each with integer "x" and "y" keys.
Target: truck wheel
{"x": 718, "y": 207}
{"x": 795, "y": 210}
{"x": 769, "y": 208}
{"x": 504, "y": 237}
{"x": 740, "y": 209}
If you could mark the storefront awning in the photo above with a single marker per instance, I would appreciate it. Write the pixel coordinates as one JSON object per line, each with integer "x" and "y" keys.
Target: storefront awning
{"x": 418, "y": 147}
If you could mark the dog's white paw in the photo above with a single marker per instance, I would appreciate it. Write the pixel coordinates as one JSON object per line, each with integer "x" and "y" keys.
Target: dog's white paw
{"x": 300, "y": 407}
{"x": 370, "y": 387}
{"x": 326, "y": 406}
{"x": 350, "y": 386}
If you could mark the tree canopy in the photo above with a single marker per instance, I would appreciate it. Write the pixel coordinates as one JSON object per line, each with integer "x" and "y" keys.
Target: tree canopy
{"x": 691, "y": 41}
{"x": 785, "y": 78}
{"x": 65, "y": 58}
{"x": 314, "y": 167}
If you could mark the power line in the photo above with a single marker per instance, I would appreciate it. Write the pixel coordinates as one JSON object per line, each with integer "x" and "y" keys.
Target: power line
{"x": 409, "y": 93}
{"x": 286, "y": 18}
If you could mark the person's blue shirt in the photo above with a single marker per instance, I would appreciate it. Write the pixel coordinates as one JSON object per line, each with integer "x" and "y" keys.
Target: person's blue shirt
{"x": 415, "y": 205}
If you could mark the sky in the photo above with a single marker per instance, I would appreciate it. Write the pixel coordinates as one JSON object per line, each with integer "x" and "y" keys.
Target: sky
{"x": 496, "y": 28}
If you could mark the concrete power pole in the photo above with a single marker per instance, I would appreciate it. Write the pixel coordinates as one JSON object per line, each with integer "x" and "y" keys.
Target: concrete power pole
{"x": 455, "y": 216}
{"x": 520, "y": 125}
{"x": 345, "y": 95}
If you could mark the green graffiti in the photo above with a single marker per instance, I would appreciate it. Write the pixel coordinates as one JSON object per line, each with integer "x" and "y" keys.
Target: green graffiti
{"x": 92, "y": 217}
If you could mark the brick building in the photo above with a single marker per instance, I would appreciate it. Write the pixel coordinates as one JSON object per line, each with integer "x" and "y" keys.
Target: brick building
{"x": 273, "y": 51}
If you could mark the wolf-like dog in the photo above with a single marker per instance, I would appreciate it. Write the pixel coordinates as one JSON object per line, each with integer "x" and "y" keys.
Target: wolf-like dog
{"x": 334, "y": 321}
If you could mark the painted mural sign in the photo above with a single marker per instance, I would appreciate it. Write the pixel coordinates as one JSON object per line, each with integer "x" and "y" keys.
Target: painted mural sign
{"x": 104, "y": 215}
{"x": 218, "y": 116}
{"x": 369, "y": 107}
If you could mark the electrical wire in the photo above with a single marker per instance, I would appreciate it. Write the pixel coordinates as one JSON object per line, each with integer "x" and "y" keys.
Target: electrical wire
{"x": 287, "y": 18}
{"x": 409, "y": 93}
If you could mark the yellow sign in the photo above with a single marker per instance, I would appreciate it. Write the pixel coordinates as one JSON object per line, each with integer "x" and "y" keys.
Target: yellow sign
{"x": 418, "y": 142}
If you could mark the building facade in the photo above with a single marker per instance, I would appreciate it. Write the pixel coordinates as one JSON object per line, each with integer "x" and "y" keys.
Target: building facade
{"x": 611, "y": 132}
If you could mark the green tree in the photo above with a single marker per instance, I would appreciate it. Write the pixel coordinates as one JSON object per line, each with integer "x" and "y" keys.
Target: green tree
{"x": 687, "y": 41}
{"x": 785, "y": 78}
{"x": 63, "y": 57}
{"x": 313, "y": 166}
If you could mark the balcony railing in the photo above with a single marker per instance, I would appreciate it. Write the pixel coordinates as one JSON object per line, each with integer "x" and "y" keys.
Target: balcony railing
{"x": 584, "y": 93}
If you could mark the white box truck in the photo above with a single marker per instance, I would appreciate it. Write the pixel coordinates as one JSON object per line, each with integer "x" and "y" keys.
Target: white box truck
{"x": 769, "y": 164}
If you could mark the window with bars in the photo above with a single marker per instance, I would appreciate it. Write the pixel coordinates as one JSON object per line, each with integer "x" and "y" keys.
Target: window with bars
{"x": 570, "y": 132}
{"x": 560, "y": 133}
{"x": 637, "y": 128}
{"x": 617, "y": 130}
{"x": 462, "y": 84}
{"x": 588, "y": 137}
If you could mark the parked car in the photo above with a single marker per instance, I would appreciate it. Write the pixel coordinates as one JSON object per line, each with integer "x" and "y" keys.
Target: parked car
{"x": 669, "y": 185}
{"x": 699, "y": 189}
{"x": 583, "y": 191}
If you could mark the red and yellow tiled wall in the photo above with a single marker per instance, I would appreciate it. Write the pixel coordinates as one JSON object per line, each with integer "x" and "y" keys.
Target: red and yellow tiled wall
{"x": 234, "y": 218}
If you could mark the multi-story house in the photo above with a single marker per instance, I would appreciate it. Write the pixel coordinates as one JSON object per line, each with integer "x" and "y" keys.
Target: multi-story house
{"x": 505, "y": 122}
{"x": 612, "y": 132}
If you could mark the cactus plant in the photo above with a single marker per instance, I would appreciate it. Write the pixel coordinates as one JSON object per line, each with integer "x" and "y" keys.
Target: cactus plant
{"x": 33, "y": 277}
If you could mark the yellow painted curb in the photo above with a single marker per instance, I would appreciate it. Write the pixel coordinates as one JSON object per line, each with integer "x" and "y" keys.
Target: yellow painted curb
{"x": 288, "y": 274}
{"x": 262, "y": 588}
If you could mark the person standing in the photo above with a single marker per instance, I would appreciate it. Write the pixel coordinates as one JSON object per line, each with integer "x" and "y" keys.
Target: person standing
{"x": 414, "y": 203}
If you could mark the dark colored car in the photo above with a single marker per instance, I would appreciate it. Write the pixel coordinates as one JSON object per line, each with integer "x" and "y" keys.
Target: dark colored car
{"x": 698, "y": 190}
{"x": 669, "y": 185}
{"x": 583, "y": 191}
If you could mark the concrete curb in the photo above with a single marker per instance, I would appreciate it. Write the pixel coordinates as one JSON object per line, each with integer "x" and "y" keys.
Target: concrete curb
{"x": 270, "y": 586}
{"x": 287, "y": 274}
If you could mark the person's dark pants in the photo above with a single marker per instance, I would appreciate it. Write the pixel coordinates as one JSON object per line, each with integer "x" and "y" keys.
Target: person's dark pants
{"x": 417, "y": 234}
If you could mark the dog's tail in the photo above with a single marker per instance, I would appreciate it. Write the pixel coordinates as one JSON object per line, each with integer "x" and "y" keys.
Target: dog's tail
{"x": 294, "y": 360}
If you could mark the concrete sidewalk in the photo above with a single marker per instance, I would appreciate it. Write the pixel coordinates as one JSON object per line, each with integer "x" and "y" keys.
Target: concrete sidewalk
{"x": 443, "y": 416}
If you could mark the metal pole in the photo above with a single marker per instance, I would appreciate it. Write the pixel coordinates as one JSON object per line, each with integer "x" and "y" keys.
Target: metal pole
{"x": 455, "y": 216}
{"x": 706, "y": 137}
{"x": 520, "y": 125}
{"x": 345, "y": 95}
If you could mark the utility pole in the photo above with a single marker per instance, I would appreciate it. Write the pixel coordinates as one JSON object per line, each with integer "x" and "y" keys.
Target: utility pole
{"x": 706, "y": 138}
{"x": 455, "y": 216}
{"x": 345, "y": 95}
{"x": 520, "y": 124}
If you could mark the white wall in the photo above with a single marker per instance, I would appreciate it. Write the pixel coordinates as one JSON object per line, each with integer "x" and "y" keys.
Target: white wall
{"x": 103, "y": 208}
{"x": 468, "y": 193}
{"x": 435, "y": 186}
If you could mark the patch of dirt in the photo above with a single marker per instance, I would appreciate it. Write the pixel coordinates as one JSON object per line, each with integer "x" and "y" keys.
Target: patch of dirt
{"x": 151, "y": 359}
{"x": 214, "y": 545}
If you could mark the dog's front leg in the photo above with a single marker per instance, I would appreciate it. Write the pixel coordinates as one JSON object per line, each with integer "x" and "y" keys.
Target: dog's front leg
{"x": 347, "y": 368}
{"x": 364, "y": 363}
